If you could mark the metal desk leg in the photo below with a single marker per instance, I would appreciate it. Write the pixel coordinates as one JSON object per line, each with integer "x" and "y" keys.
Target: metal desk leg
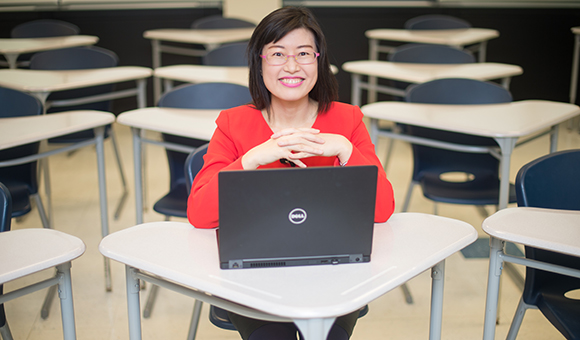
{"x": 574, "y": 80}
{"x": 554, "y": 138}
{"x": 156, "y": 61}
{"x": 133, "y": 307}
{"x": 482, "y": 51}
{"x": 315, "y": 329}
{"x": 355, "y": 91}
{"x": 100, "y": 137}
{"x": 66, "y": 301}
{"x": 493, "y": 280}
{"x": 373, "y": 55}
{"x": 11, "y": 58}
{"x": 138, "y": 174}
{"x": 438, "y": 279}
{"x": 506, "y": 145}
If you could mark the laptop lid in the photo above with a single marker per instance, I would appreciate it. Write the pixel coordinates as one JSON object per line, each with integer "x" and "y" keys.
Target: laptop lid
{"x": 295, "y": 216}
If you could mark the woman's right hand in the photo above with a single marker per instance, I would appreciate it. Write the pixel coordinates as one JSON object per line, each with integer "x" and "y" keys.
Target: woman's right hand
{"x": 298, "y": 143}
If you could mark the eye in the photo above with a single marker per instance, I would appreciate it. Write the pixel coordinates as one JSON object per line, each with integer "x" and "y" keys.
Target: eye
{"x": 277, "y": 54}
{"x": 304, "y": 54}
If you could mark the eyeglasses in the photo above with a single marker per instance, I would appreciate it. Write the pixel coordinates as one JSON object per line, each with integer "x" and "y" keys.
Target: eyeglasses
{"x": 302, "y": 58}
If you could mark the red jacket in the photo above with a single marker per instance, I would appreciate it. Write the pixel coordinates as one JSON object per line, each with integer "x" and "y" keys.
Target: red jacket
{"x": 242, "y": 128}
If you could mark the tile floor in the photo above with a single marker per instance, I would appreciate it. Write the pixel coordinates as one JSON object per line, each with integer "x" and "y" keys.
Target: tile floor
{"x": 102, "y": 315}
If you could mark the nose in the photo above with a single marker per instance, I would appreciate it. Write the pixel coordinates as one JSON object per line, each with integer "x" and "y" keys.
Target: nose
{"x": 291, "y": 65}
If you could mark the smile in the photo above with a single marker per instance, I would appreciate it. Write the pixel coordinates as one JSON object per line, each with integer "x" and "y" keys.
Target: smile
{"x": 291, "y": 82}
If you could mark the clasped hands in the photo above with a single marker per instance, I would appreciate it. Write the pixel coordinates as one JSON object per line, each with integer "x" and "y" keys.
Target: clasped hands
{"x": 297, "y": 144}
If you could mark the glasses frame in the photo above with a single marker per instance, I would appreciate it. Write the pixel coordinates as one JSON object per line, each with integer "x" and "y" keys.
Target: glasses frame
{"x": 316, "y": 55}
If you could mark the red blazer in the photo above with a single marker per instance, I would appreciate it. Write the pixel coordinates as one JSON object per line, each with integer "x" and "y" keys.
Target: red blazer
{"x": 242, "y": 128}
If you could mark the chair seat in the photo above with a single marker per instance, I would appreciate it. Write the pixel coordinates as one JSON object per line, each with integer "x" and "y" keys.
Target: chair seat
{"x": 20, "y": 193}
{"x": 480, "y": 191}
{"x": 565, "y": 316}
{"x": 33, "y": 250}
{"x": 174, "y": 203}
{"x": 219, "y": 317}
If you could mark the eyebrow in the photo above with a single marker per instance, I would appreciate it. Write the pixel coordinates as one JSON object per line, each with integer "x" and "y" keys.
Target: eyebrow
{"x": 300, "y": 46}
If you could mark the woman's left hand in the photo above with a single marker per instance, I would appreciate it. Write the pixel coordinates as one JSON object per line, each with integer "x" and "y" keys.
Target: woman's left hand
{"x": 334, "y": 145}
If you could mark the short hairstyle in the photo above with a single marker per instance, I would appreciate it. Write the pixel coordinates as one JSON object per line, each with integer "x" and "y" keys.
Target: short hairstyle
{"x": 273, "y": 28}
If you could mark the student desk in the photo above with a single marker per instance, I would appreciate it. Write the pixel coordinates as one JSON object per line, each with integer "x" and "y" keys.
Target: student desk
{"x": 41, "y": 83}
{"x": 191, "y": 123}
{"x": 505, "y": 123}
{"x": 420, "y": 73}
{"x": 310, "y": 296}
{"x": 13, "y": 47}
{"x": 210, "y": 38}
{"x": 554, "y": 230}
{"x": 24, "y": 130}
{"x": 453, "y": 37}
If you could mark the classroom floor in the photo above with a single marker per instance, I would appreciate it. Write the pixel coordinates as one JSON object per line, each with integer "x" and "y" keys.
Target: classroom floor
{"x": 103, "y": 315}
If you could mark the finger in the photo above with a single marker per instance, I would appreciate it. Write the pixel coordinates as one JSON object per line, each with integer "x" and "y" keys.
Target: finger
{"x": 299, "y": 139}
{"x": 291, "y": 131}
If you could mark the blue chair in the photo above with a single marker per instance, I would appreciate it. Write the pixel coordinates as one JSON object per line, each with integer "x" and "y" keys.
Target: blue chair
{"x": 5, "y": 219}
{"x": 553, "y": 182}
{"x": 189, "y": 96}
{"x": 481, "y": 186}
{"x": 21, "y": 180}
{"x": 77, "y": 58}
{"x": 219, "y": 22}
{"x": 44, "y": 28}
{"x": 233, "y": 54}
{"x": 435, "y": 21}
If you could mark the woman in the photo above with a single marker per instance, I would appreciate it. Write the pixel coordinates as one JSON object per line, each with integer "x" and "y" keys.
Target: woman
{"x": 293, "y": 121}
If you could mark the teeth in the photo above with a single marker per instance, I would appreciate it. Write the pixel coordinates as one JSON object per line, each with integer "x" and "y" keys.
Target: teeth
{"x": 291, "y": 81}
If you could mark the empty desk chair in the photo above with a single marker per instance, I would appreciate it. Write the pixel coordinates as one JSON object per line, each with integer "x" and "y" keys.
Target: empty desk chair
{"x": 552, "y": 182}
{"x": 28, "y": 251}
{"x": 219, "y": 22}
{"x": 435, "y": 22}
{"x": 78, "y": 58}
{"x": 233, "y": 54}
{"x": 5, "y": 219}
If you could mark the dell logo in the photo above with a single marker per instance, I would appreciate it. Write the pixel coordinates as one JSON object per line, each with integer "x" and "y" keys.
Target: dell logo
{"x": 297, "y": 216}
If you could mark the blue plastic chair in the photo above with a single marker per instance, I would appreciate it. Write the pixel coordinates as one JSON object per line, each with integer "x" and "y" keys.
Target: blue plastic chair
{"x": 21, "y": 180}
{"x": 429, "y": 163}
{"x": 553, "y": 182}
{"x": 219, "y": 22}
{"x": 233, "y": 54}
{"x": 435, "y": 21}
{"x": 78, "y": 58}
{"x": 5, "y": 219}
{"x": 44, "y": 28}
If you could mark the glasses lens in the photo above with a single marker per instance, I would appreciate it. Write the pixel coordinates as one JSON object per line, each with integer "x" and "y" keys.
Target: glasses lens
{"x": 276, "y": 58}
{"x": 306, "y": 57}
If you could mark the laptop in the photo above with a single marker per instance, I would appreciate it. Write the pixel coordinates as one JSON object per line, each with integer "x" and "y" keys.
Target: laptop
{"x": 296, "y": 216}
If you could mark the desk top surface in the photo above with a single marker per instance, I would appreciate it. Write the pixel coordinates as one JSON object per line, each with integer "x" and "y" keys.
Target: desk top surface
{"x": 203, "y": 73}
{"x": 420, "y": 73}
{"x": 32, "y": 250}
{"x": 200, "y": 36}
{"x": 457, "y": 37}
{"x": 405, "y": 246}
{"x": 576, "y": 30}
{"x": 192, "y": 123}
{"x": 549, "y": 229}
{"x": 59, "y": 80}
{"x": 25, "y": 45}
{"x": 23, "y": 130}
{"x": 515, "y": 119}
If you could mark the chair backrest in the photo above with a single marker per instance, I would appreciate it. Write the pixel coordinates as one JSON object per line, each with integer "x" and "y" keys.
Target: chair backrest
{"x": 198, "y": 96}
{"x": 77, "y": 58}
{"x": 454, "y": 91}
{"x": 430, "y": 54}
{"x": 194, "y": 163}
{"x": 218, "y": 21}
{"x": 44, "y": 28}
{"x": 5, "y": 208}
{"x": 227, "y": 55}
{"x": 435, "y": 22}
{"x": 19, "y": 104}
{"x": 551, "y": 181}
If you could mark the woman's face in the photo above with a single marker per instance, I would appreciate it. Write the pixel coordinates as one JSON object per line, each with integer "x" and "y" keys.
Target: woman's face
{"x": 291, "y": 81}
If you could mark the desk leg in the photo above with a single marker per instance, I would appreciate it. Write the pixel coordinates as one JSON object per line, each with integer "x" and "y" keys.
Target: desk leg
{"x": 493, "y": 280}
{"x": 373, "y": 55}
{"x": 133, "y": 307}
{"x": 142, "y": 93}
{"x": 482, "y": 51}
{"x": 11, "y": 58}
{"x": 138, "y": 174}
{"x": 66, "y": 301}
{"x": 315, "y": 329}
{"x": 506, "y": 145}
{"x": 100, "y": 137}
{"x": 355, "y": 91}
{"x": 438, "y": 279}
{"x": 554, "y": 138}
{"x": 156, "y": 61}
{"x": 574, "y": 80}
{"x": 374, "y": 132}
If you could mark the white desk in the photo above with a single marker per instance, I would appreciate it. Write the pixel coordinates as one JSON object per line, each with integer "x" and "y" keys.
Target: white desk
{"x": 13, "y": 47}
{"x": 28, "y": 251}
{"x": 505, "y": 123}
{"x": 420, "y": 73}
{"x": 554, "y": 230}
{"x": 310, "y": 296}
{"x": 210, "y": 38}
{"x": 199, "y": 124}
{"x": 453, "y": 37}
{"x": 23, "y": 130}
{"x": 41, "y": 83}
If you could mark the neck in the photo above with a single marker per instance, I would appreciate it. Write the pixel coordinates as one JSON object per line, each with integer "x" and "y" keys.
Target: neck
{"x": 300, "y": 114}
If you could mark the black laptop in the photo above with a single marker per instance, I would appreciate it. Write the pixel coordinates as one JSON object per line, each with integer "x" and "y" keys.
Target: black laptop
{"x": 296, "y": 217}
